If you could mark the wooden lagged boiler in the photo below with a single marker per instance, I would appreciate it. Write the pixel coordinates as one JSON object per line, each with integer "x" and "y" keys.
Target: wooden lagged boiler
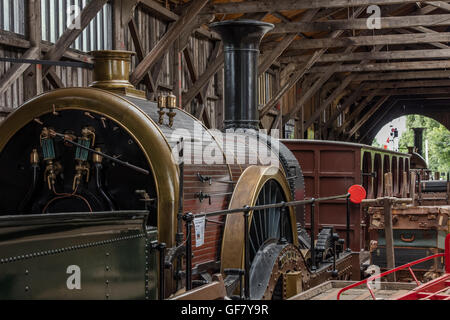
{"x": 94, "y": 181}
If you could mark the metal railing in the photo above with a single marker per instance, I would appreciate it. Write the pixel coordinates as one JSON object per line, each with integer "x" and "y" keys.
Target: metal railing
{"x": 189, "y": 217}
{"x": 408, "y": 265}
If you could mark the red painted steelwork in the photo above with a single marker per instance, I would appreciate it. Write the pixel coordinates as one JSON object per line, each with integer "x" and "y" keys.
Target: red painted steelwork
{"x": 434, "y": 290}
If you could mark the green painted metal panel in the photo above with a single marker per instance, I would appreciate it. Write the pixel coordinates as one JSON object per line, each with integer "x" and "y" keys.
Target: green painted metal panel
{"x": 77, "y": 256}
{"x": 411, "y": 238}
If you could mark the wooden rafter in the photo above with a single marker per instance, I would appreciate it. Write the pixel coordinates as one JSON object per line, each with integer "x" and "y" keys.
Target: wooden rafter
{"x": 361, "y": 24}
{"x": 378, "y": 76}
{"x": 211, "y": 69}
{"x": 389, "y": 66}
{"x": 337, "y": 91}
{"x": 389, "y": 39}
{"x": 300, "y": 72}
{"x": 359, "y": 109}
{"x": 366, "y": 116}
{"x": 384, "y": 55}
{"x": 166, "y": 41}
{"x": 268, "y": 59}
{"x": 283, "y": 5}
{"x": 378, "y": 119}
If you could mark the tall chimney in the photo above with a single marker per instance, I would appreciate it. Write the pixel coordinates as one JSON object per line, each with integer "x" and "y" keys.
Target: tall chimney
{"x": 241, "y": 40}
{"x": 418, "y": 140}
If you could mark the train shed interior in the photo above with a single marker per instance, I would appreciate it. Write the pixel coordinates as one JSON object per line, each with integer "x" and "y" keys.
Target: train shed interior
{"x": 103, "y": 103}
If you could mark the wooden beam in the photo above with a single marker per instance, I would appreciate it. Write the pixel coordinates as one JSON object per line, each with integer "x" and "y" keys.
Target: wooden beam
{"x": 164, "y": 43}
{"x": 384, "y": 55}
{"x": 158, "y": 11}
{"x": 329, "y": 100}
{"x": 378, "y": 119}
{"x": 312, "y": 90}
{"x": 267, "y": 59}
{"x": 435, "y": 74}
{"x": 70, "y": 34}
{"x": 32, "y": 77}
{"x": 347, "y": 103}
{"x": 439, "y": 4}
{"x": 319, "y": 84}
{"x": 361, "y": 24}
{"x": 284, "y": 5}
{"x": 366, "y": 116}
{"x": 390, "y": 39}
{"x": 407, "y": 84}
{"x": 424, "y": 30}
{"x": 203, "y": 79}
{"x": 204, "y": 87}
{"x": 140, "y": 53}
{"x": 300, "y": 72}
{"x": 393, "y": 66}
{"x": 359, "y": 109}
{"x": 415, "y": 91}
{"x": 16, "y": 69}
{"x": 161, "y": 12}
{"x": 54, "y": 79}
{"x": 195, "y": 25}
{"x": 122, "y": 13}
{"x": 191, "y": 67}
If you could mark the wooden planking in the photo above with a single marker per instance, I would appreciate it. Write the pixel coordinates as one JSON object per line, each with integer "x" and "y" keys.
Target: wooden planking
{"x": 16, "y": 70}
{"x": 12, "y": 97}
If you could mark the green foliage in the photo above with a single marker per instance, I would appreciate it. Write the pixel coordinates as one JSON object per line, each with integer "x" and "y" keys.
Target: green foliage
{"x": 376, "y": 144}
{"x": 438, "y": 141}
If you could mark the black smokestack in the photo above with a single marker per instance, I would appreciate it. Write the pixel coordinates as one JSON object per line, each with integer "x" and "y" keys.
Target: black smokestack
{"x": 241, "y": 40}
{"x": 418, "y": 140}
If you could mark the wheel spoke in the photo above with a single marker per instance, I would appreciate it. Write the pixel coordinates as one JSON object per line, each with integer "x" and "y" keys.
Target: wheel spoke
{"x": 266, "y": 223}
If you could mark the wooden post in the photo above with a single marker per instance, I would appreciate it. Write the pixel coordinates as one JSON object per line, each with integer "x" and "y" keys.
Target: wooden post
{"x": 412, "y": 188}
{"x": 388, "y": 191}
{"x": 32, "y": 80}
{"x": 389, "y": 236}
{"x": 404, "y": 191}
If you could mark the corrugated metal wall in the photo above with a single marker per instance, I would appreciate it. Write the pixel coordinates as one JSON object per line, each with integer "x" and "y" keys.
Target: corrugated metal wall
{"x": 12, "y": 16}
{"x": 56, "y": 16}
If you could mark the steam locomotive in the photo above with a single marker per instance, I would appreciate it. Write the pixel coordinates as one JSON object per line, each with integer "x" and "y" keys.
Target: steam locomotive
{"x": 94, "y": 183}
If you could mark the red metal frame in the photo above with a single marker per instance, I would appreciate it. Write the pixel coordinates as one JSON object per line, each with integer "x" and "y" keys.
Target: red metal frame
{"x": 433, "y": 290}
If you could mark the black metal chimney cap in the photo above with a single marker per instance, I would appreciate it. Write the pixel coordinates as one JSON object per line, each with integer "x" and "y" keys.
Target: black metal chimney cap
{"x": 241, "y": 34}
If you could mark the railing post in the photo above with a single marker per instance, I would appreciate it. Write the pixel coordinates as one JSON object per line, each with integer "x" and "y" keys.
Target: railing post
{"x": 179, "y": 234}
{"x": 246, "y": 253}
{"x": 188, "y": 219}
{"x": 389, "y": 236}
{"x": 313, "y": 250}
{"x": 282, "y": 239}
{"x": 347, "y": 227}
